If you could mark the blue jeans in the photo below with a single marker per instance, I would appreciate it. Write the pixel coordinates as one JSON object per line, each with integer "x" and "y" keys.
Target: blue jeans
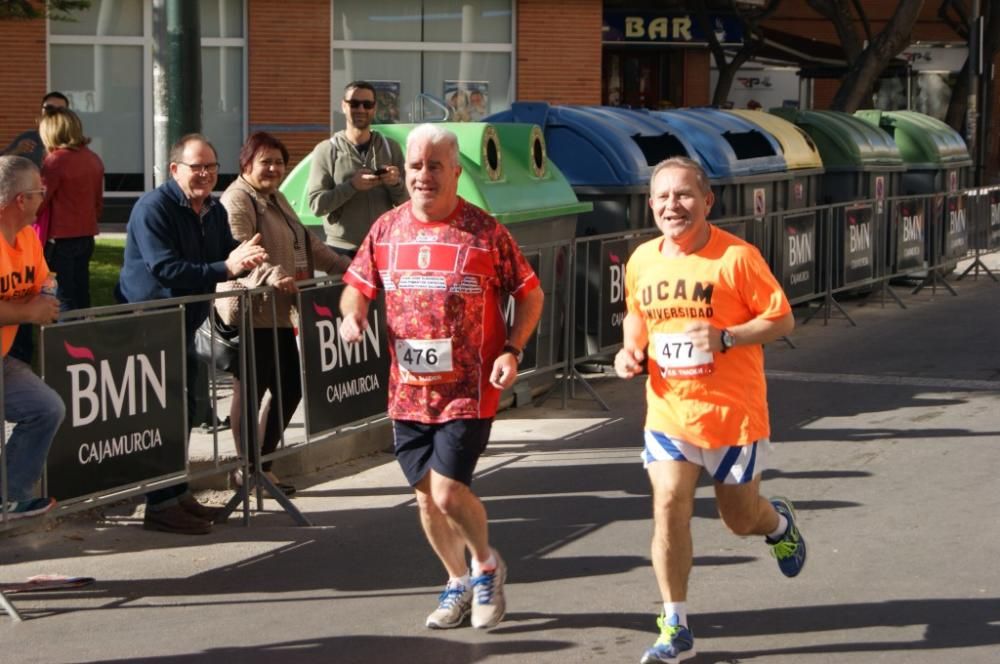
{"x": 37, "y": 412}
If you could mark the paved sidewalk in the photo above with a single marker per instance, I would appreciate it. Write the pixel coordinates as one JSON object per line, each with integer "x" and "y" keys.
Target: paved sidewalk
{"x": 886, "y": 437}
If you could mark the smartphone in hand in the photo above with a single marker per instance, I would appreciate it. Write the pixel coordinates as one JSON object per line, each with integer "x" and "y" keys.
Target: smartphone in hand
{"x": 382, "y": 170}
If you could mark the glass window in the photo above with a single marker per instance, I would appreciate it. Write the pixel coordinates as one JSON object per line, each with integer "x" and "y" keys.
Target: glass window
{"x": 104, "y": 85}
{"x": 221, "y": 18}
{"x": 105, "y": 18}
{"x": 385, "y": 20}
{"x": 487, "y": 21}
{"x": 108, "y": 83}
{"x": 459, "y": 52}
{"x": 472, "y": 84}
{"x": 396, "y": 71}
{"x": 222, "y": 102}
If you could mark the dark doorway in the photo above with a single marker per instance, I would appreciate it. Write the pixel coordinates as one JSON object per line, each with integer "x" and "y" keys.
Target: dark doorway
{"x": 641, "y": 77}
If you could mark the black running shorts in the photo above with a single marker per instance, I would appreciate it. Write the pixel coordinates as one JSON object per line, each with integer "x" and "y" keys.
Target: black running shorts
{"x": 450, "y": 448}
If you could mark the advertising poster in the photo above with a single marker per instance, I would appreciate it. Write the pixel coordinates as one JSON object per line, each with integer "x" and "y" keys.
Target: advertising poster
{"x": 469, "y": 101}
{"x": 759, "y": 203}
{"x": 614, "y": 254}
{"x": 386, "y": 101}
{"x": 344, "y": 382}
{"x": 122, "y": 380}
{"x": 798, "y": 261}
{"x": 530, "y": 360}
{"x": 859, "y": 250}
{"x": 957, "y": 234}
{"x": 879, "y": 193}
{"x": 910, "y": 237}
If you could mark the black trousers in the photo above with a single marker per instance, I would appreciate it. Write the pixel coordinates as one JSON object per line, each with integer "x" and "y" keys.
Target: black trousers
{"x": 268, "y": 377}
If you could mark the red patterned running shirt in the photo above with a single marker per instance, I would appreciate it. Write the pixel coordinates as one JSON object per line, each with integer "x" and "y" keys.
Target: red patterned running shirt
{"x": 444, "y": 283}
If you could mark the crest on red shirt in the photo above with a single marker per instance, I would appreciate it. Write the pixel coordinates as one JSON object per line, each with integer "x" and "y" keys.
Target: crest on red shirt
{"x": 424, "y": 257}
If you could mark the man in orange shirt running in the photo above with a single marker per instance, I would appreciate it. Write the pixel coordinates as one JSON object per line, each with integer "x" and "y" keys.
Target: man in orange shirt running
{"x": 703, "y": 302}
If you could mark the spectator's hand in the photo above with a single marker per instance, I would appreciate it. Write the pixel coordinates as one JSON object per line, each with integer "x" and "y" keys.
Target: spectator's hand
{"x": 42, "y": 309}
{"x": 504, "y": 371}
{"x": 704, "y": 336}
{"x": 364, "y": 179}
{"x": 629, "y": 362}
{"x": 391, "y": 176}
{"x": 352, "y": 327}
{"x": 286, "y": 285}
{"x": 245, "y": 257}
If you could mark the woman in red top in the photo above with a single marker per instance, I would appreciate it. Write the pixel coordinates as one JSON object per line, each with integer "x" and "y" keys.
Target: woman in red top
{"x": 74, "y": 199}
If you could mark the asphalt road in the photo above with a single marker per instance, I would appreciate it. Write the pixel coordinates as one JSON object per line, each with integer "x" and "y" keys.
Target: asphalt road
{"x": 887, "y": 441}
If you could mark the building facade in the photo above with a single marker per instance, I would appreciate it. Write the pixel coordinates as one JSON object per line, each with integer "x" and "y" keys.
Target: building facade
{"x": 281, "y": 66}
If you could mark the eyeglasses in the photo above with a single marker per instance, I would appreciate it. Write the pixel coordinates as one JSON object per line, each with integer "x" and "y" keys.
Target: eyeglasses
{"x": 202, "y": 168}
{"x": 40, "y": 191}
{"x": 363, "y": 103}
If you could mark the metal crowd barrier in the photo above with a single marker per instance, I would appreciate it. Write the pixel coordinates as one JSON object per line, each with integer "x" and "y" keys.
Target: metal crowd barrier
{"x": 122, "y": 369}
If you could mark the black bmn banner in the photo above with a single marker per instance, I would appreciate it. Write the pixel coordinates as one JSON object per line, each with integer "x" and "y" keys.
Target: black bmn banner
{"x": 910, "y": 241}
{"x": 344, "y": 382}
{"x": 798, "y": 256}
{"x": 122, "y": 380}
{"x": 614, "y": 255}
{"x": 859, "y": 250}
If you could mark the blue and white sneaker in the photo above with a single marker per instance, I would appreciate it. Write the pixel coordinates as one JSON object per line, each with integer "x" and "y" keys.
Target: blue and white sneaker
{"x": 676, "y": 643}
{"x": 790, "y": 550}
{"x": 489, "y": 603}
{"x": 21, "y": 509}
{"x": 454, "y": 604}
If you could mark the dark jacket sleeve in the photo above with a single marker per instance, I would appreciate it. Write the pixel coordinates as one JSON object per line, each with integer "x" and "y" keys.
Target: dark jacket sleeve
{"x": 172, "y": 251}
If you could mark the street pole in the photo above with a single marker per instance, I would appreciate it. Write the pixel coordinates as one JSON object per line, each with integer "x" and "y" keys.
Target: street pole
{"x": 176, "y": 78}
{"x": 972, "y": 113}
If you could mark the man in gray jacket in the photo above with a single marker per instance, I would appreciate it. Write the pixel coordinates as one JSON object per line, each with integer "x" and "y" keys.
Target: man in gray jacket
{"x": 356, "y": 174}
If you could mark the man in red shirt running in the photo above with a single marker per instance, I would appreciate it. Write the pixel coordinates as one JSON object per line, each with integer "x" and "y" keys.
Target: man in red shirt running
{"x": 444, "y": 266}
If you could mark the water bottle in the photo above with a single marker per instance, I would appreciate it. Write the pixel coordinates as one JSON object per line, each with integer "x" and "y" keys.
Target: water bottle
{"x": 51, "y": 285}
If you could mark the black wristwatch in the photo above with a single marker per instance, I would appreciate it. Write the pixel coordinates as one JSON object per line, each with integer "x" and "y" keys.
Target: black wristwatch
{"x": 513, "y": 350}
{"x": 728, "y": 340}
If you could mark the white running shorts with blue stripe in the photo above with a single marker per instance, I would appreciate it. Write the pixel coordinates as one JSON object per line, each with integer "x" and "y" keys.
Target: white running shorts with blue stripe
{"x": 729, "y": 465}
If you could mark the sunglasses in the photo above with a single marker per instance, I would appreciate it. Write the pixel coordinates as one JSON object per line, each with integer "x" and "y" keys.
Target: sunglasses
{"x": 363, "y": 103}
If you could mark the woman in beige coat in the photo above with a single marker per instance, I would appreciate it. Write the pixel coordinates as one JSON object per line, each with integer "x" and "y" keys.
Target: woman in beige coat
{"x": 255, "y": 206}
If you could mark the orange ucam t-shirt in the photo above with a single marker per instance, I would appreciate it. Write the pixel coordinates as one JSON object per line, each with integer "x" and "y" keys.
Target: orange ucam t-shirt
{"x": 22, "y": 272}
{"x": 706, "y": 399}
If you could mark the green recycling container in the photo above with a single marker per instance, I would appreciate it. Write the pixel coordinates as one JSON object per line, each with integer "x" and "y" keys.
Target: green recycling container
{"x": 937, "y": 161}
{"x": 505, "y": 171}
{"x": 861, "y": 164}
{"x": 794, "y": 257}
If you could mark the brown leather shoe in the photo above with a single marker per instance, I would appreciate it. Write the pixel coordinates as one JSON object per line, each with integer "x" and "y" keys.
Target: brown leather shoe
{"x": 203, "y": 512}
{"x": 175, "y": 519}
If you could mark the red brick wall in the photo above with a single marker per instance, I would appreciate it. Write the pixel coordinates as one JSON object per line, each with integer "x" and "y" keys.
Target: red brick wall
{"x": 697, "y": 73}
{"x": 288, "y": 64}
{"x": 824, "y": 90}
{"x": 559, "y": 51}
{"x": 22, "y": 76}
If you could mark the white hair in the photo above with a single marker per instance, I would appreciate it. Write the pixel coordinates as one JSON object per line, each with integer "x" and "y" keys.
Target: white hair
{"x": 435, "y": 134}
{"x": 15, "y": 177}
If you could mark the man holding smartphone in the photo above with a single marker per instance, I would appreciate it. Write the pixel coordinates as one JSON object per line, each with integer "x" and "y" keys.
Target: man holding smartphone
{"x": 355, "y": 174}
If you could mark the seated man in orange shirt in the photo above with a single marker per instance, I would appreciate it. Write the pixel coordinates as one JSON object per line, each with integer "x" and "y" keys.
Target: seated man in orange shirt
{"x": 33, "y": 406}
{"x": 703, "y": 302}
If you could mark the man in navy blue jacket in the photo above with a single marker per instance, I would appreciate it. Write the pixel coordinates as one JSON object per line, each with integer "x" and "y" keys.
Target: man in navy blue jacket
{"x": 179, "y": 243}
